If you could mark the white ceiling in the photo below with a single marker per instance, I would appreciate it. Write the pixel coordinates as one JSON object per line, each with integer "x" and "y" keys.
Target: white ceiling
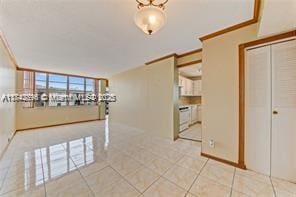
{"x": 277, "y": 16}
{"x": 99, "y": 38}
{"x": 191, "y": 71}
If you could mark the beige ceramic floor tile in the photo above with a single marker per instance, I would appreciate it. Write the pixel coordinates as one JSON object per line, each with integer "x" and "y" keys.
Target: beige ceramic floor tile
{"x": 252, "y": 187}
{"x": 144, "y": 157}
{"x": 159, "y": 165}
{"x": 100, "y": 156}
{"x": 102, "y": 179}
{"x": 142, "y": 178}
{"x": 3, "y": 173}
{"x": 74, "y": 188}
{"x": 208, "y": 188}
{"x": 281, "y": 186}
{"x": 283, "y": 193}
{"x": 21, "y": 181}
{"x": 193, "y": 133}
{"x": 5, "y": 163}
{"x": 112, "y": 155}
{"x": 171, "y": 155}
{"x": 126, "y": 166}
{"x": 58, "y": 183}
{"x": 190, "y": 195}
{"x": 26, "y": 192}
{"x": 194, "y": 151}
{"x": 164, "y": 188}
{"x": 238, "y": 194}
{"x": 24, "y": 170}
{"x": 93, "y": 167}
{"x": 218, "y": 174}
{"x": 181, "y": 176}
{"x": 191, "y": 163}
{"x": 157, "y": 150}
{"x": 25, "y": 164}
{"x": 253, "y": 175}
{"x": 221, "y": 165}
{"x": 56, "y": 166}
{"x": 195, "y": 143}
{"x": 130, "y": 149}
{"x": 118, "y": 189}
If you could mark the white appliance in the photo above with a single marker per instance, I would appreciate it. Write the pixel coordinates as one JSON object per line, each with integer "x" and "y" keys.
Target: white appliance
{"x": 271, "y": 110}
{"x": 193, "y": 114}
{"x": 184, "y": 117}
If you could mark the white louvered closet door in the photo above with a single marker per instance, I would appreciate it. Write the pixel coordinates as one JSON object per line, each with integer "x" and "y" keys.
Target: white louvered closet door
{"x": 283, "y": 149}
{"x": 258, "y": 109}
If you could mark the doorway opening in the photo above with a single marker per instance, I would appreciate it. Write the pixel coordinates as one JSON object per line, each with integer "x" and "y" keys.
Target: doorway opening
{"x": 190, "y": 102}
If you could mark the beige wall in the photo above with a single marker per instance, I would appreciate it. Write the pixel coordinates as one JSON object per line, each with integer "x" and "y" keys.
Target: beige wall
{"x": 46, "y": 116}
{"x": 221, "y": 92}
{"x": 147, "y": 98}
{"x": 7, "y": 86}
{"x": 189, "y": 58}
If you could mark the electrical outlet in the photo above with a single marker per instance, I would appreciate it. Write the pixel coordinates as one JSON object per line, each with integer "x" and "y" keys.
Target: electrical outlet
{"x": 211, "y": 144}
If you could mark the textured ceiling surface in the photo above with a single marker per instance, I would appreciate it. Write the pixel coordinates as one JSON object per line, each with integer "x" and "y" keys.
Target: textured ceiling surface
{"x": 99, "y": 38}
{"x": 277, "y": 16}
{"x": 191, "y": 71}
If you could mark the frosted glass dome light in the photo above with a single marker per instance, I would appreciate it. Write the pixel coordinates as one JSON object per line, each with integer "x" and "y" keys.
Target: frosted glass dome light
{"x": 150, "y": 18}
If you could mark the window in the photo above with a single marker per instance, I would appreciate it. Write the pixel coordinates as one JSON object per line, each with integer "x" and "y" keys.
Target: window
{"x": 90, "y": 86}
{"x": 62, "y": 90}
{"x": 40, "y": 88}
{"x": 90, "y": 89}
{"x": 76, "y": 90}
{"x": 57, "y": 89}
{"x": 28, "y": 87}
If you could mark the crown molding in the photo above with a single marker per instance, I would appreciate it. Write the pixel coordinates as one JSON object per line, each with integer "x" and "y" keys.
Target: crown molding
{"x": 8, "y": 49}
{"x": 175, "y": 55}
{"x": 189, "y": 63}
{"x": 162, "y": 58}
{"x": 190, "y": 52}
{"x": 254, "y": 20}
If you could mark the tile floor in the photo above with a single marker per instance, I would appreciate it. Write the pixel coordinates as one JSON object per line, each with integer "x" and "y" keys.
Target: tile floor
{"x": 192, "y": 133}
{"x": 94, "y": 159}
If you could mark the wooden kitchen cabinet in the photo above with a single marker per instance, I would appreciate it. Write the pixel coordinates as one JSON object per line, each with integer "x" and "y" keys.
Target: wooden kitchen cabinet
{"x": 182, "y": 85}
{"x": 197, "y": 88}
{"x": 189, "y": 87}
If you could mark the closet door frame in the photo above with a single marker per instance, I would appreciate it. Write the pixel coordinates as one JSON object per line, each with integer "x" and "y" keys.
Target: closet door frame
{"x": 242, "y": 63}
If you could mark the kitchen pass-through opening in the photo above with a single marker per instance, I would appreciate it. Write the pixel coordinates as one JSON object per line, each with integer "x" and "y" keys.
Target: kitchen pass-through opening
{"x": 190, "y": 102}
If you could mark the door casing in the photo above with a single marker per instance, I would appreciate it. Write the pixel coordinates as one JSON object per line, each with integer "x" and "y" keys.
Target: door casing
{"x": 242, "y": 61}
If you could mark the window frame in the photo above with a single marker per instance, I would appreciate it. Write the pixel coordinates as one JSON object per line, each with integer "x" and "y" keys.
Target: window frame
{"x": 35, "y": 87}
{"x": 71, "y": 91}
{"x": 55, "y": 82}
{"x": 67, "y": 91}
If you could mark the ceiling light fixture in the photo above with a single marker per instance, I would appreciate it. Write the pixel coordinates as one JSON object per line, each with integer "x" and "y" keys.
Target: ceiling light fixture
{"x": 150, "y": 16}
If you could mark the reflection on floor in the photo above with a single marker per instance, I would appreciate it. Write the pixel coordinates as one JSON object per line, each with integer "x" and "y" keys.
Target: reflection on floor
{"x": 92, "y": 159}
{"x": 192, "y": 133}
